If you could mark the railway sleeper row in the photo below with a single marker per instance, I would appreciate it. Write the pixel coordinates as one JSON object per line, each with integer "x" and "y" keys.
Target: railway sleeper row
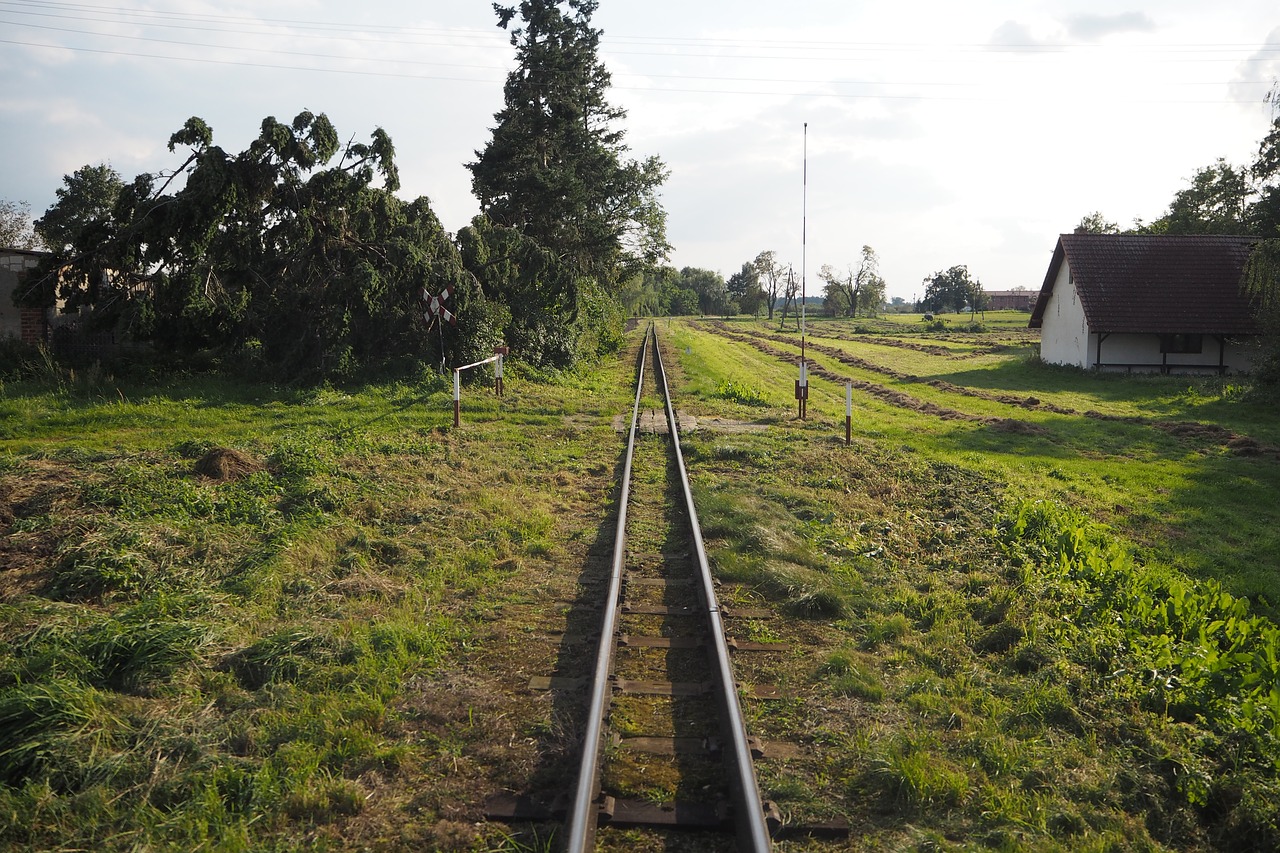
{"x": 665, "y": 763}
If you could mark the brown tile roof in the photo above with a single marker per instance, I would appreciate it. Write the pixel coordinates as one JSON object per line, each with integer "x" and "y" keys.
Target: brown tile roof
{"x": 1155, "y": 284}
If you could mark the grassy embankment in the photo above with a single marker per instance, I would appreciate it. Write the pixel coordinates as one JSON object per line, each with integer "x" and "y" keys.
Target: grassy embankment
{"x": 328, "y": 646}
{"x": 1034, "y": 674}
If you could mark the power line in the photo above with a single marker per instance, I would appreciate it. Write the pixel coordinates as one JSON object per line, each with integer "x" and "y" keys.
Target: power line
{"x": 274, "y": 51}
{"x": 240, "y": 64}
{"x": 200, "y": 23}
{"x": 352, "y": 58}
{"x": 647, "y": 89}
{"x": 492, "y": 40}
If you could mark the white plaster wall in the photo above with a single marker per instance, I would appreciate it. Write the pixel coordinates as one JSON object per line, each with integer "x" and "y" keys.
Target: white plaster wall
{"x": 1064, "y": 335}
{"x": 1145, "y": 350}
{"x": 1129, "y": 349}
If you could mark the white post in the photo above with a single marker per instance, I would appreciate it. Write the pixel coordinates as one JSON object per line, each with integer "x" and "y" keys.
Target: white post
{"x": 457, "y": 397}
{"x": 848, "y": 413}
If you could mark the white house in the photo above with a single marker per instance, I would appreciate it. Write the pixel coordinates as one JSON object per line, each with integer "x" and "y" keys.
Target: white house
{"x": 1140, "y": 302}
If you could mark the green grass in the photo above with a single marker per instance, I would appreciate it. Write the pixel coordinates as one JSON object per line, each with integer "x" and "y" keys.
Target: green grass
{"x": 1188, "y": 499}
{"x": 1060, "y": 631}
{"x": 235, "y": 664}
{"x": 1050, "y": 639}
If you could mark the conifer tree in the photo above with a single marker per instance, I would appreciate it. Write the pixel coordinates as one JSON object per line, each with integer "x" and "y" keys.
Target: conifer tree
{"x": 556, "y": 168}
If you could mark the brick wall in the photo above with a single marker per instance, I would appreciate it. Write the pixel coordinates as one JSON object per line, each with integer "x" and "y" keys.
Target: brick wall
{"x": 35, "y": 330}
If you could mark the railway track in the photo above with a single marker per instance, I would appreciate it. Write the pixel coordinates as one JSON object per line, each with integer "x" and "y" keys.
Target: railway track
{"x": 665, "y": 745}
{"x": 662, "y": 662}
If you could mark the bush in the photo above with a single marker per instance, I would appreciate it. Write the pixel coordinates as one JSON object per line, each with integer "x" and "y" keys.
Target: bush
{"x": 740, "y": 392}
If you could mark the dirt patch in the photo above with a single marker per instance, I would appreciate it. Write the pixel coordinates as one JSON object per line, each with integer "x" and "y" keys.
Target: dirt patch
{"x": 1240, "y": 445}
{"x": 36, "y": 489}
{"x": 25, "y": 561}
{"x": 726, "y": 425}
{"x": 1245, "y": 446}
{"x": 1017, "y": 427}
{"x": 225, "y": 464}
{"x": 1208, "y": 432}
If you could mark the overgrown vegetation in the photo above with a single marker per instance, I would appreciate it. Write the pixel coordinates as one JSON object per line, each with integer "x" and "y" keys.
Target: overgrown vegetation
{"x": 251, "y": 618}
{"x": 239, "y": 648}
{"x": 996, "y": 668}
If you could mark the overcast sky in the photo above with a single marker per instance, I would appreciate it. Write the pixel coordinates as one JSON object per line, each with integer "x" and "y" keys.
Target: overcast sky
{"x": 939, "y": 133}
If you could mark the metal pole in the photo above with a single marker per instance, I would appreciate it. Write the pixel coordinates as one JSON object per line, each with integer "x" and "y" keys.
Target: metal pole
{"x": 804, "y": 231}
{"x": 804, "y": 249}
{"x": 457, "y": 398}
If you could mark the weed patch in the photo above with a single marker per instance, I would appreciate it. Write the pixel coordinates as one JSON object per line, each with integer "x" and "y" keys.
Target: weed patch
{"x": 741, "y": 392}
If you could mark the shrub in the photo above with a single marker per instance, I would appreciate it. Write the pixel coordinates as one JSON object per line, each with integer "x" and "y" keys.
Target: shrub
{"x": 740, "y": 392}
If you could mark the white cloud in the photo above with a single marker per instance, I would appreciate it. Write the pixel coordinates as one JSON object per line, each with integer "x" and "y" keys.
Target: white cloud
{"x": 1259, "y": 74}
{"x": 939, "y": 133}
{"x": 1091, "y": 27}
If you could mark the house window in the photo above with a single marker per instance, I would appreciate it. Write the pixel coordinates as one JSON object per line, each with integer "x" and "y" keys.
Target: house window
{"x": 1181, "y": 343}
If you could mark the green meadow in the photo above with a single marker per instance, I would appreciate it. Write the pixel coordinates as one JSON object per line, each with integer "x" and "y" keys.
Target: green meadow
{"x": 1029, "y": 608}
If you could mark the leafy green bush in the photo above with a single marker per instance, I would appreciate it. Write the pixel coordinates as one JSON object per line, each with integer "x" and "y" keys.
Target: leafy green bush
{"x": 740, "y": 392}
{"x": 1197, "y": 651}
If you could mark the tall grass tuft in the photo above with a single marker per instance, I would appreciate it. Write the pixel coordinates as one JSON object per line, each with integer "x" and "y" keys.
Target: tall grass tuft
{"x": 52, "y": 728}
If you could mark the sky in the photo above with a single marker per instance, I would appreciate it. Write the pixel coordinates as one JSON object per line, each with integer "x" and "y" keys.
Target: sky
{"x": 938, "y": 133}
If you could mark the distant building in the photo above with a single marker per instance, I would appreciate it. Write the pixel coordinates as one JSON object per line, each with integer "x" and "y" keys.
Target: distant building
{"x": 1010, "y": 300}
{"x": 29, "y": 324}
{"x": 1140, "y": 302}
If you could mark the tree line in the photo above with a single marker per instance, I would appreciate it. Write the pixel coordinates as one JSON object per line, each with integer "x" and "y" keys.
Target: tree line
{"x": 295, "y": 257}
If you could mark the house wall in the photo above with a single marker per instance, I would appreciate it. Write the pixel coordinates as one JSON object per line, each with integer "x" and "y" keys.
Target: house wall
{"x": 1064, "y": 335}
{"x": 1065, "y": 338}
{"x": 1011, "y": 300}
{"x": 1139, "y": 352}
{"x": 11, "y": 265}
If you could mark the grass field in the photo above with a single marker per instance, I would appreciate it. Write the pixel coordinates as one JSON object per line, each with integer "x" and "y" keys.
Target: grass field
{"x": 1031, "y": 608}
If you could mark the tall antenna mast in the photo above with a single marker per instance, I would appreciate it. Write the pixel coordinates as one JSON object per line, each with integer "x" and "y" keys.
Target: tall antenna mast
{"x": 804, "y": 231}
{"x": 802, "y": 385}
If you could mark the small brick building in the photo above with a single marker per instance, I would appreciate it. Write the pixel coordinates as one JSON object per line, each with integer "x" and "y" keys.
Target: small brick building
{"x": 1010, "y": 300}
{"x": 29, "y": 324}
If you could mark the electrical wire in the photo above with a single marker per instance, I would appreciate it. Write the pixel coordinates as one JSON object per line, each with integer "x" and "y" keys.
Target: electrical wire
{"x": 464, "y": 39}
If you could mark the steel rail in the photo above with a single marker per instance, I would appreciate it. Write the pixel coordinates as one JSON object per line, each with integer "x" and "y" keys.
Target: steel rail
{"x": 584, "y": 811}
{"x": 749, "y": 818}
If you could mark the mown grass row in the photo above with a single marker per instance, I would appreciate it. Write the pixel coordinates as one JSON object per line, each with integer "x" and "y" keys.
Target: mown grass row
{"x": 1193, "y": 502}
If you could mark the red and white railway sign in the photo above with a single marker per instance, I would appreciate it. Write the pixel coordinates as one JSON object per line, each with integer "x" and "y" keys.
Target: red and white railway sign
{"x": 435, "y": 306}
